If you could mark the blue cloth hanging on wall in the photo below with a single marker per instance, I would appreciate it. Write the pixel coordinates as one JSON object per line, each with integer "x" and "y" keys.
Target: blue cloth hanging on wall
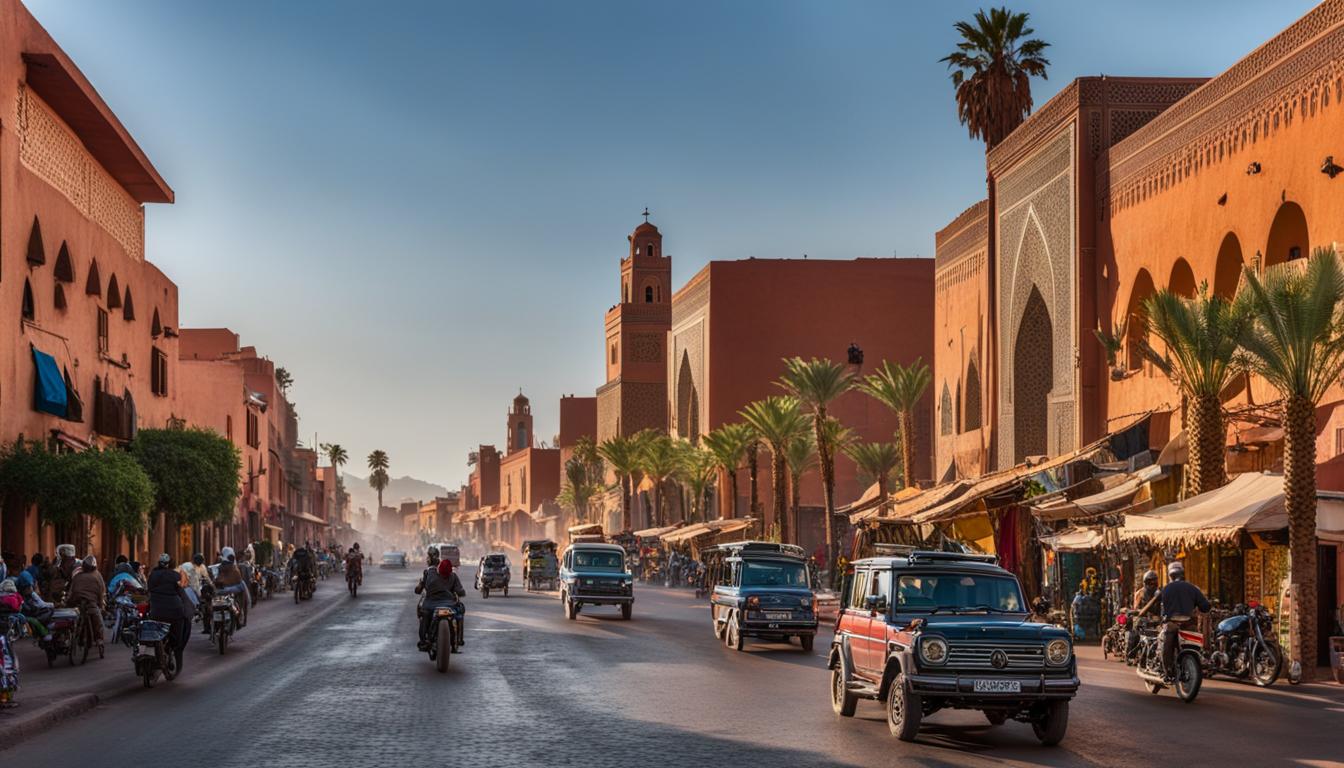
{"x": 48, "y": 385}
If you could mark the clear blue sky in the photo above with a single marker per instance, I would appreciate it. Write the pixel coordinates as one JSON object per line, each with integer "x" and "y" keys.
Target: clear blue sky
{"x": 418, "y": 208}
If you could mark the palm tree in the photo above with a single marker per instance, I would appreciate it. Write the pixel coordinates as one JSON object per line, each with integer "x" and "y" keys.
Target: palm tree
{"x": 801, "y": 457}
{"x": 817, "y": 384}
{"x": 900, "y": 389}
{"x": 580, "y": 487}
{"x": 337, "y": 455}
{"x": 623, "y": 458}
{"x": 992, "y": 70}
{"x": 779, "y": 421}
{"x": 729, "y": 444}
{"x": 1297, "y": 345}
{"x": 1201, "y": 336}
{"x": 284, "y": 380}
{"x": 658, "y": 462}
{"x": 696, "y": 468}
{"x": 753, "y": 473}
{"x": 378, "y": 478}
{"x": 878, "y": 461}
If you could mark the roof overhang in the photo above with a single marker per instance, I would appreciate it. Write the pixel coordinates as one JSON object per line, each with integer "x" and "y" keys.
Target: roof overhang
{"x": 63, "y": 87}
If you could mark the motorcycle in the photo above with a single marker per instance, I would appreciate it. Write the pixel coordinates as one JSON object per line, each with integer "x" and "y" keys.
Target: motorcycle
{"x": 442, "y": 637}
{"x": 151, "y": 654}
{"x": 1189, "y": 660}
{"x": 1115, "y": 641}
{"x": 223, "y": 620}
{"x": 123, "y": 617}
{"x": 1244, "y": 647}
{"x": 303, "y": 585}
{"x": 68, "y": 637}
{"x": 353, "y": 579}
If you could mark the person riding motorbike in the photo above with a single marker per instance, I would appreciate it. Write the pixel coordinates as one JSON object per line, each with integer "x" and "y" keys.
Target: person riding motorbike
{"x": 301, "y": 563}
{"x": 168, "y": 602}
{"x": 88, "y": 593}
{"x": 122, "y": 572}
{"x": 355, "y": 559}
{"x": 441, "y": 588}
{"x": 229, "y": 581}
{"x": 1145, "y": 601}
{"x": 1179, "y": 600}
{"x": 62, "y": 571}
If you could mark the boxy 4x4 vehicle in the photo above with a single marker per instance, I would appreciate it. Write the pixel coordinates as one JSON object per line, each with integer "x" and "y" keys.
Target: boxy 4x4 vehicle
{"x": 763, "y": 591}
{"x": 595, "y": 574}
{"x": 923, "y": 631}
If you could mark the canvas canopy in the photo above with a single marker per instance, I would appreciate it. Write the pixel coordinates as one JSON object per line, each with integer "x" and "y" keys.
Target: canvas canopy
{"x": 653, "y": 533}
{"x": 1253, "y": 501}
{"x": 1118, "y": 493}
{"x": 1074, "y": 540}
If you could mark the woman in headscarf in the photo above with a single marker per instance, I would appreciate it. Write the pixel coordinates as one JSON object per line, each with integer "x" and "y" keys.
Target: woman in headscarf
{"x": 168, "y": 602}
{"x": 442, "y": 589}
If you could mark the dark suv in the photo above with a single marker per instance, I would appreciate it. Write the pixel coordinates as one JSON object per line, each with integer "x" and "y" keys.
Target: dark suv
{"x": 764, "y": 590}
{"x": 595, "y": 574}
{"x": 926, "y": 630}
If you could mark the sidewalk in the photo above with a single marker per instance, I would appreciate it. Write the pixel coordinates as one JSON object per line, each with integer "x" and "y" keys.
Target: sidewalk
{"x": 48, "y": 696}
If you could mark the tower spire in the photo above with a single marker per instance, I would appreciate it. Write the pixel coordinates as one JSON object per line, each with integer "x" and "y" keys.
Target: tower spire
{"x": 646, "y": 214}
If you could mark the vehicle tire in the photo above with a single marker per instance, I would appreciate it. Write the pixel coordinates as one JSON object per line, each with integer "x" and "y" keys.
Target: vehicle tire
{"x": 223, "y": 642}
{"x": 506, "y": 590}
{"x": 1189, "y": 676}
{"x": 806, "y": 641}
{"x": 51, "y": 658}
{"x": 904, "y": 710}
{"x": 169, "y": 665}
{"x": 843, "y": 700}
{"x": 298, "y": 591}
{"x": 1266, "y": 666}
{"x": 732, "y": 636}
{"x": 443, "y": 646}
{"x": 149, "y": 676}
{"x": 626, "y": 610}
{"x": 485, "y": 593}
{"x": 85, "y": 644}
{"x": 1051, "y": 727}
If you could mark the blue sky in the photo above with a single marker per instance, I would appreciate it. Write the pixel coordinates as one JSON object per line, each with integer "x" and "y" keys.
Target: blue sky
{"x": 419, "y": 207}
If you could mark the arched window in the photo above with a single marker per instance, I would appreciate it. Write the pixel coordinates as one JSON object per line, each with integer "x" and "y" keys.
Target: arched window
{"x": 1136, "y": 318}
{"x": 128, "y": 306}
{"x": 59, "y": 298}
{"x": 37, "y": 254}
{"x": 29, "y": 306}
{"x": 648, "y": 294}
{"x": 945, "y": 408}
{"x": 1227, "y": 271}
{"x": 649, "y": 249}
{"x": 613, "y": 353}
{"x": 1287, "y": 236}
{"x": 155, "y": 327}
{"x": 972, "y": 409}
{"x": 113, "y": 293}
{"x": 228, "y": 435}
{"x": 1182, "y": 280}
{"x": 94, "y": 285}
{"x": 65, "y": 268}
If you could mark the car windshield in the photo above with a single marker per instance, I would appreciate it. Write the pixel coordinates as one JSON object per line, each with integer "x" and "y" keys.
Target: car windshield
{"x": 773, "y": 573}
{"x": 601, "y": 561}
{"x": 496, "y": 561}
{"x": 952, "y": 592}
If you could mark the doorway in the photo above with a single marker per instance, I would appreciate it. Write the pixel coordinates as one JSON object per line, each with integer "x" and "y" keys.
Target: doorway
{"x": 1327, "y": 600}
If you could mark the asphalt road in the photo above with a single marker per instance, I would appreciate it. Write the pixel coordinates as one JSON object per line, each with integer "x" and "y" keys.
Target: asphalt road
{"x": 531, "y": 688}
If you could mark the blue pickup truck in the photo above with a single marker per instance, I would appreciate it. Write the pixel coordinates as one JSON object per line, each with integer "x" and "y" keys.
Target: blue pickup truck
{"x": 764, "y": 590}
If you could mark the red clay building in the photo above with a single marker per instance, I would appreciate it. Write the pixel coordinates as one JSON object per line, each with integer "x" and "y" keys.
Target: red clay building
{"x": 528, "y": 476}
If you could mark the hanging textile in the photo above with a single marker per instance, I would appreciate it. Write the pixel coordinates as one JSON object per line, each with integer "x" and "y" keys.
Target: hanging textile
{"x": 48, "y": 385}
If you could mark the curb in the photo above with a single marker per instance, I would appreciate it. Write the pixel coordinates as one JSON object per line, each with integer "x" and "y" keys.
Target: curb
{"x": 39, "y": 720}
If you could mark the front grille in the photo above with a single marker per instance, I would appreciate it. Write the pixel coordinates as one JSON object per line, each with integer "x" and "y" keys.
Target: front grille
{"x": 600, "y": 586}
{"x": 977, "y": 654}
{"x": 779, "y": 602}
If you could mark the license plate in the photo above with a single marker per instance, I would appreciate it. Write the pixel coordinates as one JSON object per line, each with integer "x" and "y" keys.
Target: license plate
{"x": 998, "y": 686}
{"x": 778, "y": 615}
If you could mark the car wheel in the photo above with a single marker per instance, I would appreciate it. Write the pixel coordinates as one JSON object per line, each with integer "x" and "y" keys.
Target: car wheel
{"x": 806, "y": 641}
{"x": 843, "y": 700}
{"x": 904, "y": 710}
{"x": 626, "y": 610}
{"x": 732, "y": 636}
{"x": 1051, "y": 727}
{"x": 485, "y": 593}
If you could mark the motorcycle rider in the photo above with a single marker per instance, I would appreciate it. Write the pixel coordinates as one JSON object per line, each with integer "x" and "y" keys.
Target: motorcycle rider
{"x": 88, "y": 593}
{"x": 301, "y": 563}
{"x": 168, "y": 602}
{"x": 229, "y": 581}
{"x": 1179, "y": 600}
{"x": 441, "y": 588}
{"x": 198, "y": 579}
{"x": 355, "y": 559}
{"x": 61, "y": 572}
{"x": 1145, "y": 601}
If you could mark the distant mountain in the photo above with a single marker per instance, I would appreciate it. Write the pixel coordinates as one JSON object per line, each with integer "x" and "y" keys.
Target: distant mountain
{"x": 361, "y": 495}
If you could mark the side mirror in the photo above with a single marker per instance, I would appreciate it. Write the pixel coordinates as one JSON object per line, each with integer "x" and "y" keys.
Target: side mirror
{"x": 875, "y": 603}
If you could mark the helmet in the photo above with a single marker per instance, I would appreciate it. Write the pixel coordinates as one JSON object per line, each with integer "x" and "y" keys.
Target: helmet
{"x": 90, "y": 562}
{"x": 165, "y": 559}
{"x": 1149, "y": 575}
{"x": 1176, "y": 569}
{"x": 226, "y": 553}
{"x": 68, "y": 550}
{"x": 433, "y": 552}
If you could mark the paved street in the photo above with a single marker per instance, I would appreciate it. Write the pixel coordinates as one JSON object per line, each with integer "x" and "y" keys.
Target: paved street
{"x": 533, "y": 689}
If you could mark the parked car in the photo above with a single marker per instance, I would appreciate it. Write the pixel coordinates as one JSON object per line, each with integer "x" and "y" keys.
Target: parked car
{"x": 924, "y": 631}
{"x": 592, "y": 573}
{"x": 393, "y": 559}
{"x": 764, "y": 591}
{"x": 493, "y": 573}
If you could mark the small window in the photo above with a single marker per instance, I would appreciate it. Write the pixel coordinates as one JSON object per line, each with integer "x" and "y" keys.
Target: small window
{"x": 648, "y": 294}
{"x": 253, "y": 433}
{"x": 102, "y": 330}
{"x": 882, "y": 585}
{"x": 613, "y": 353}
{"x": 158, "y": 373}
{"x": 860, "y": 589}
{"x": 113, "y": 293}
{"x": 649, "y": 249}
{"x": 128, "y": 306}
{"x": 29, "y": 306}
{"x": 228, "y": 435}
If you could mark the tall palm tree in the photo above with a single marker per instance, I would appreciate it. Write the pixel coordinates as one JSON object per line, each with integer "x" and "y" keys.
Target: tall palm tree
{"x": 816, "y": 384}
{"x": 801, "y": 457}
{"x": 580, "y": 487}
{"x": 1296, "y": 343}
{"x": 754, "y": 473}
{"x": 378, "y": 477}
{"x": 779, "y": 421}
{"x": 992, "y": 70}
{"x": 337, "y": 455}
{"x": 658, "y": 462}
{"x": 728, "y": 444}
{"x": 696, "y": 468}
{"x": 878, "y": 461}
{"x": 621, "y": 455}
{"x": 900, "y": 388}
{"x": 1201, "y": 336}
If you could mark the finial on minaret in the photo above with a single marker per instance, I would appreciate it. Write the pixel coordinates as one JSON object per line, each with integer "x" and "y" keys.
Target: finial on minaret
{"x": 646, "y": 214}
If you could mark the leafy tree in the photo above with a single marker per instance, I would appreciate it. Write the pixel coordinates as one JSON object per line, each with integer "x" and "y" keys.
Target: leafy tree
{"x": 378, "y": 477}
{"x": 900, "y": 388}
{"x": 109, "y": 485}
{"x": 620, "y": 453}
{"x": 816, "y": 384}
{"x": 729, "y": 444}
{"x": 778, "y": 420}
{"x": 992, "y": 70}
{"x": 1201, "y": 336}
{"x": 1297, "y": 344}
{"x": 878, "y": 461}
{"x": 283, "y": 380}
{"x": 195, "y": 473}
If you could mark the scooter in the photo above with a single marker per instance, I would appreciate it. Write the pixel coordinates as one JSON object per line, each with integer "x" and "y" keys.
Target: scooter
{"x": 223, "y": 620}
{"x": 151, "y": 654}
{"x": 1189, "y": 660}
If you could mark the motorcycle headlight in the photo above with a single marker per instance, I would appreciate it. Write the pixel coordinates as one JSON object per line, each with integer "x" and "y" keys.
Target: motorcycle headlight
{"x": 933, "y": 650}
{"x": 1057, "y": 651}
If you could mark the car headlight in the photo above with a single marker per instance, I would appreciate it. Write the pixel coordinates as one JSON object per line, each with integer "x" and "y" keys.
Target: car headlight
{"x": 805, "y": 602}
{"x": 1057, "y": 651}
{"x": 933, "y": 650}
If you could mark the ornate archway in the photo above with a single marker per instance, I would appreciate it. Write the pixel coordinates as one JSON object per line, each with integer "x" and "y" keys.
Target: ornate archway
{"x": 1136, "y": 320}
{"x": 1287, "y": 236}
{"x": 972, "y": 409}
{"x": 688, "y": 401}
{"x": 1033, "y": 379}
